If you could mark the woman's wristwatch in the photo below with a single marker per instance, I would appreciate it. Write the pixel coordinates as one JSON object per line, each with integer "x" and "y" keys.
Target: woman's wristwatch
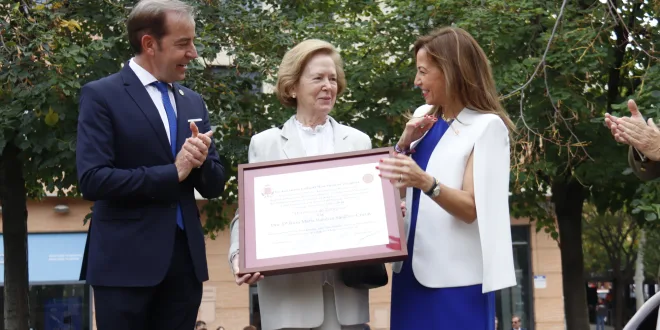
{"x": 435, "y": 189}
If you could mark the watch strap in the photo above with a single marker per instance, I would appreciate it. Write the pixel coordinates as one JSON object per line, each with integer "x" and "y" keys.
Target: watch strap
{"x": 430, "y": 191}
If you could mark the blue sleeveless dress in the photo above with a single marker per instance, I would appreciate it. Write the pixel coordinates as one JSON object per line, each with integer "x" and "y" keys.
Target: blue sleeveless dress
{"x": 415, "y": 306}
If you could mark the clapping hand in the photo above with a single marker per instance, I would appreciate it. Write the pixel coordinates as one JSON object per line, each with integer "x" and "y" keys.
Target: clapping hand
{"x": 612, "y": 122}
{"x": 205, "y": 138}
{"x": 634, "y": 131}
{"x": 193, "y": 152}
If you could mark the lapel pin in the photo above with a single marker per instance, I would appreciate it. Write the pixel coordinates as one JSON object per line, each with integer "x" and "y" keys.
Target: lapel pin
{"x": 181, "y": 92}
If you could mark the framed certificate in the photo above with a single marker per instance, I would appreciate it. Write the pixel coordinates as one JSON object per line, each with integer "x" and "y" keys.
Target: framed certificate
{"x": 317, "y": 213}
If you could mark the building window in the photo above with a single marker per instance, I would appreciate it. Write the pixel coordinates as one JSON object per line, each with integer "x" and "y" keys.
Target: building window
{"x": 58, "y": 299}
{"x": 57, "y": 307}
{"x": 517, "y": 300}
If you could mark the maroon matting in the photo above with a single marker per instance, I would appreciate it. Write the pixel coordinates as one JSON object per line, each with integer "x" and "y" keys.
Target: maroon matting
{"x": 396, "y": 250}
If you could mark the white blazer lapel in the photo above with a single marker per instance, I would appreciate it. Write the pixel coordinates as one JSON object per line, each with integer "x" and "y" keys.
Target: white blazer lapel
{"x": 342, "y": 143}
{"x": 292, "y": 146}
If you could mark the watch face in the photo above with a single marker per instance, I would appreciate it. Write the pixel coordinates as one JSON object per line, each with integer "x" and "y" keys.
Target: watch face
{"x": 436, "y": 191}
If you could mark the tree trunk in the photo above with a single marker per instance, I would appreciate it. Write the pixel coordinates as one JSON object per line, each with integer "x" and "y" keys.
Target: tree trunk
{"x": 14, "y": 227}
{"x": 658, "y": 281}
{"x": 619, "y": 300}
{"x": 651, "y": 286}
{"x": 639, "y": 270}
{"x": 568, "y": 197}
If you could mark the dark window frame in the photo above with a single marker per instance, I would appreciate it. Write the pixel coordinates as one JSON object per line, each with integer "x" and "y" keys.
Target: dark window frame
{"x": 521, "y": 237}
{"x": 87, "y": 321}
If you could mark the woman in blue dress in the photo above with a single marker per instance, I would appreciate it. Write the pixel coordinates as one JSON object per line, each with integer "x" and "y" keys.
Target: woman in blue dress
{"x": 453, "y": 161}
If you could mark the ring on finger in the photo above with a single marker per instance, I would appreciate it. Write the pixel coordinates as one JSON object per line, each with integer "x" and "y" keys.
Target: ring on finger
{"x": 400, "y": 177}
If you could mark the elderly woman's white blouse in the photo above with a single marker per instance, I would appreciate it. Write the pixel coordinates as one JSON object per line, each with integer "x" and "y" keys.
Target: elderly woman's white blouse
{"x": 447, "y": 251}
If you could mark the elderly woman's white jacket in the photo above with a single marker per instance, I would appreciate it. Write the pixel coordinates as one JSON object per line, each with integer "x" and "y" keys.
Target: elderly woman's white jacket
{"x": 296, "y": 300}
{"x": 447, "y": 251}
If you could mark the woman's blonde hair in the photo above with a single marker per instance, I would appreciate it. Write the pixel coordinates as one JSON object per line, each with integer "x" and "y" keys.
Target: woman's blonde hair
{"x": 468, "y": 76}
{"x": 294, "y": 62}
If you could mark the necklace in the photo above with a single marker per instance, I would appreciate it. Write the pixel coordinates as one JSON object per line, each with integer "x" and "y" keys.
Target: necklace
{"x": 450, "y": 122}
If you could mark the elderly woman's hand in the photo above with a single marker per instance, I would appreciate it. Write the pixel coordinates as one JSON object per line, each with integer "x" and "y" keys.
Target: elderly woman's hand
{"x": 403, "y": 172}
{"x": 247, "y": 278}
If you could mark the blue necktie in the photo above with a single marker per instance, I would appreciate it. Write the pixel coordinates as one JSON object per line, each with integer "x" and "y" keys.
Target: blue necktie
{"x": 171, "y": 118}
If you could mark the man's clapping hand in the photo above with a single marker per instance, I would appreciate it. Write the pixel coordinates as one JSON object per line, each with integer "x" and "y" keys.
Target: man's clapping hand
{"x": 193, "y": 152}
{"x": 205, "y": 138}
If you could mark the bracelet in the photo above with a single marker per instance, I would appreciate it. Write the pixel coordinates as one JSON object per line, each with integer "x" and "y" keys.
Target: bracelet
{"x": 399, "y": 150}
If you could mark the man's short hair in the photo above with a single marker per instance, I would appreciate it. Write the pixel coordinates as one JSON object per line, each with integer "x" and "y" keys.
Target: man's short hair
{"x": 148, "y": 17}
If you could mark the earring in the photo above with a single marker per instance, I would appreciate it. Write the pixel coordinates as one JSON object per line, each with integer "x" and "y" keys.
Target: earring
{"x": 293, "y": 95}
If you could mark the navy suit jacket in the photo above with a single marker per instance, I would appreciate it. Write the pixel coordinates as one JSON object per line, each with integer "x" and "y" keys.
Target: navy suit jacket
{"x": 125, "y": 165}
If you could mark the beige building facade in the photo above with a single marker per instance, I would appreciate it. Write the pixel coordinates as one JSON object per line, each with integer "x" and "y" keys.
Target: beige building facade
{"x": 538, "y": 296}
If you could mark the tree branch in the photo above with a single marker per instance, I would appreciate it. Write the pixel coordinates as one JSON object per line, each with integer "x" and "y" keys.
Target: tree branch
{"x": 545, "y": 53}
{"x": 605, "y": 243}
{"x": 619, "y": 20}
{"x": 557, "y": 112}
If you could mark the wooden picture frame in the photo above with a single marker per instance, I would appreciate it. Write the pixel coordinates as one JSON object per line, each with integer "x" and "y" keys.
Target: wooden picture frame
{"x": 394, "y": 250}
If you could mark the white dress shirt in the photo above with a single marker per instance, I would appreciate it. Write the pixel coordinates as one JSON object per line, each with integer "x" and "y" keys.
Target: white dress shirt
{"x": 146, "y": 79}
{"x": 318, "y": 140}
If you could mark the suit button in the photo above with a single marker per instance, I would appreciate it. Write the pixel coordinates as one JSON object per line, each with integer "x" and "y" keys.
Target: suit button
{"x": 173, "y": 205}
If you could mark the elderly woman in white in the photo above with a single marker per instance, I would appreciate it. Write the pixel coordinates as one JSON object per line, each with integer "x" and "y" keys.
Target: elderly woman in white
{"x": 309, "y": 79}
{"x": 457, "y": 181}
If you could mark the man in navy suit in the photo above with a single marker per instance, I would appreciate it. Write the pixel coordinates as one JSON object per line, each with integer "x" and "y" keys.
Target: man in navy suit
{"x": 140, "y": 156}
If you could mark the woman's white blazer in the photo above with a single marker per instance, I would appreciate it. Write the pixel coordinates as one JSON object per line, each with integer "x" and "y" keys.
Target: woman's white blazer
{"x": 447, "y": 251}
